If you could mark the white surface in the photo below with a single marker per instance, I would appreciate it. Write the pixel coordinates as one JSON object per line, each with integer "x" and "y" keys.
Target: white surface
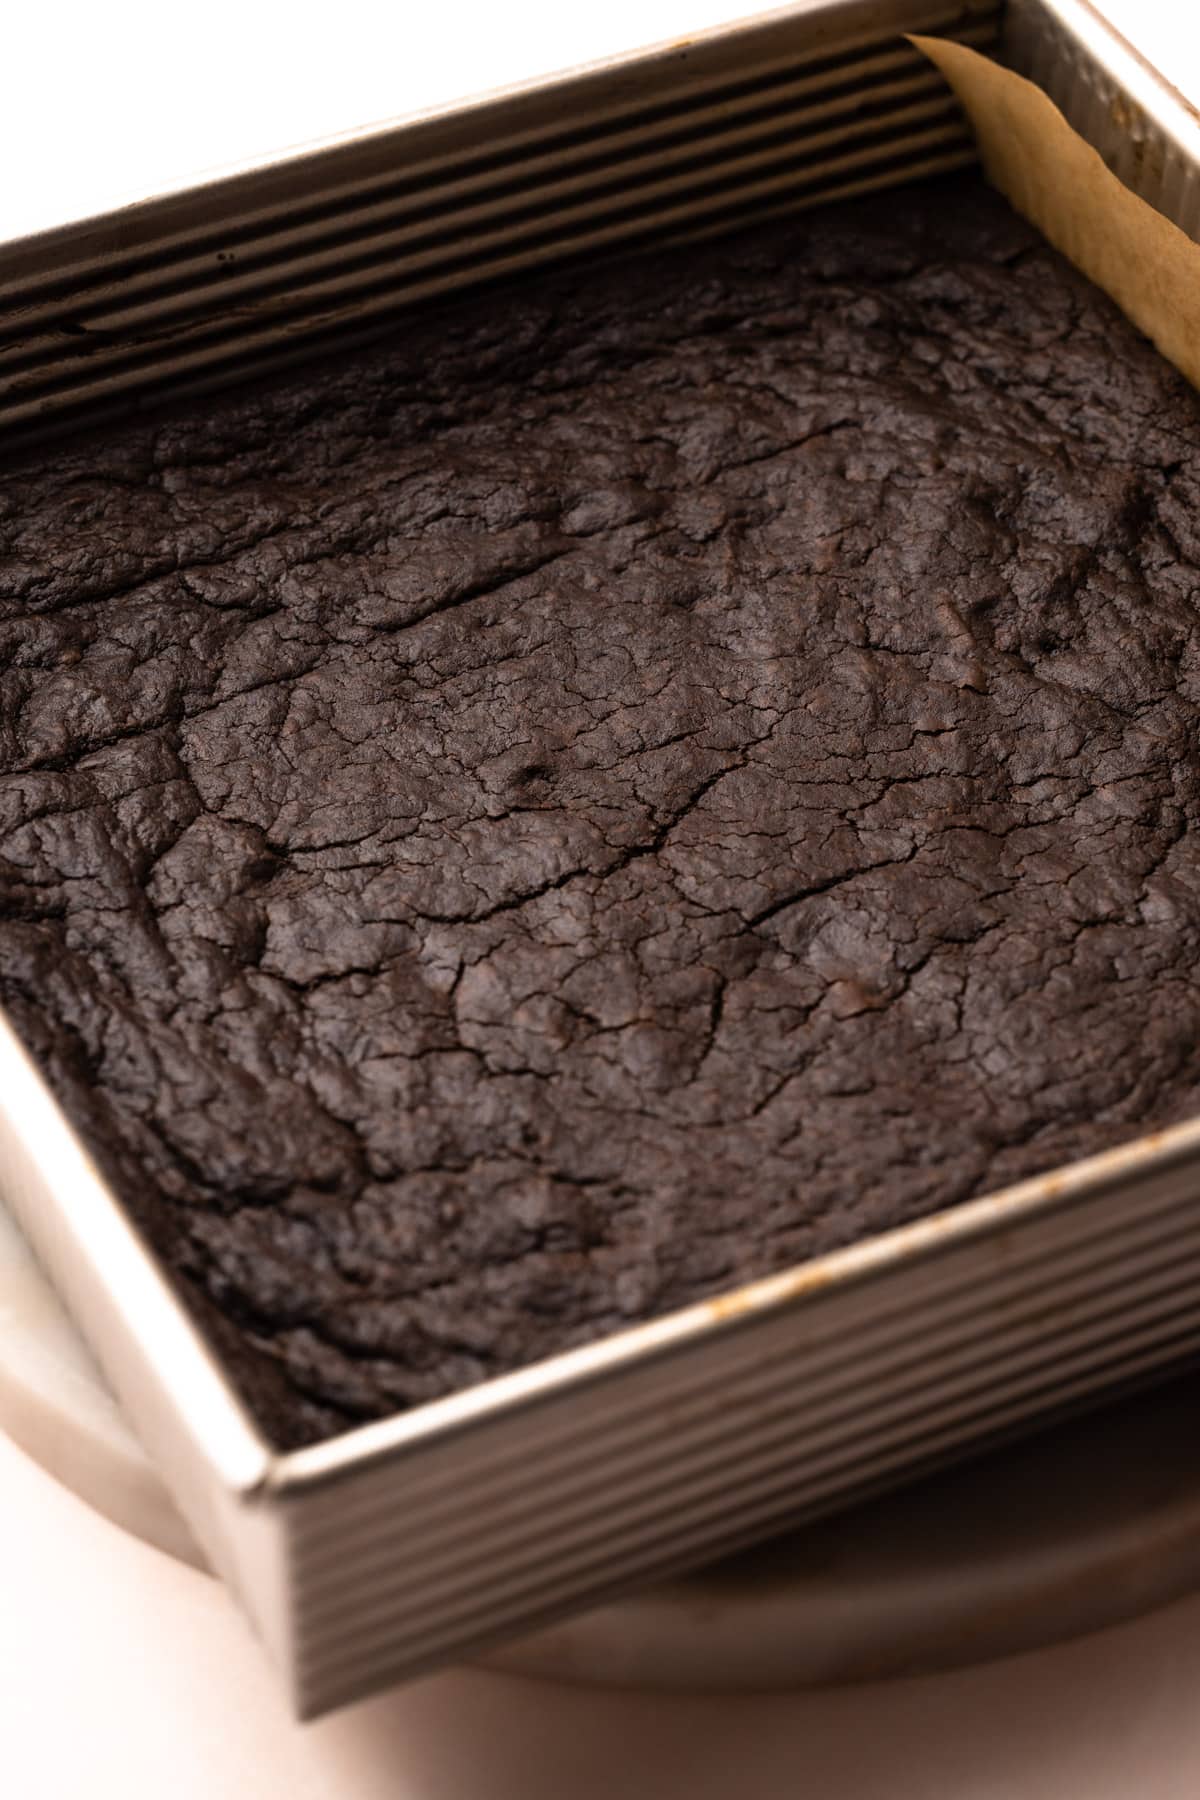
{"x": 125, "y": 1676}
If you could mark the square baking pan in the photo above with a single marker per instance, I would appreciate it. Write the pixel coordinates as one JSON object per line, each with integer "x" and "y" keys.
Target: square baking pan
{"x": 402, "y": 1544}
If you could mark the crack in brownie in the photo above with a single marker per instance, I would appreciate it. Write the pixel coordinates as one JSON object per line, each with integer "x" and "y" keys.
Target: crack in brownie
{"x": 643, "y": 778}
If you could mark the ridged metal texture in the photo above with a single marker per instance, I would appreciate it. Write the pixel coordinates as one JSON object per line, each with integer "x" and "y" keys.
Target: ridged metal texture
{"x": 820, "y": 101}
{"x": 403, "y": 1544}
{"x": 877, "y": 1361}
{"x": 1145, "y": 130}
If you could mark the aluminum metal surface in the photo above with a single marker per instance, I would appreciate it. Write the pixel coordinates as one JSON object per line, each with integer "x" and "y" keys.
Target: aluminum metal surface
{"x": 403, "y": 1544}
{"x": 1145, "y": 130}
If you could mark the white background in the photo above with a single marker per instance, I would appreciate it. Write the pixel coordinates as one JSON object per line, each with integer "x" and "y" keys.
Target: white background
{"x": 123, "y": 1674}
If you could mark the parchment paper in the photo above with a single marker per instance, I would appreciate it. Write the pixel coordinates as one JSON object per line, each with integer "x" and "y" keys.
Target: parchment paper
{"x": 1055, "y": 178}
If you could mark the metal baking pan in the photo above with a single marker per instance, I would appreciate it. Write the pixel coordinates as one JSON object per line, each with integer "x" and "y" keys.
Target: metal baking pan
{"x": 818, "y": 100}
{"x": 425, "y": 1537}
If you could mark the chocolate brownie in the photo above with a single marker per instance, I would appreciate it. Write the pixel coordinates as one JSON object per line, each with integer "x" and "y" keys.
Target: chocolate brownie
{"x": 642, "y": 778}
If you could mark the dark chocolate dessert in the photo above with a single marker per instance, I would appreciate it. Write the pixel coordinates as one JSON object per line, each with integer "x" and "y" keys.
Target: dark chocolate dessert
{"x": 643, "y": 778}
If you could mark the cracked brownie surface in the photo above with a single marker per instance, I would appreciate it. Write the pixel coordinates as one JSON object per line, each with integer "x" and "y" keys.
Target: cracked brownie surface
{"x": 641, "y": 779}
